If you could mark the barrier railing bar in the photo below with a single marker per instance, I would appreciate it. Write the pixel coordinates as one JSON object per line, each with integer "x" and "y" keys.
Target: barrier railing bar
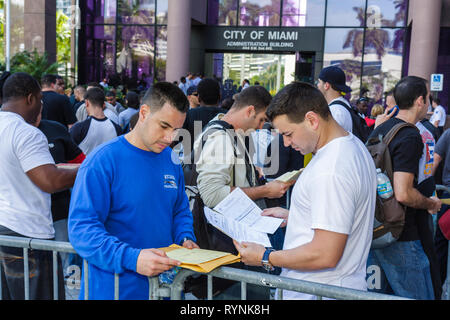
{"x": 86, "y": 279}
{"x": 177, "y": 287}
{"x": 1, "y": 289}
{"x": 116, "y": 286}
{"x": 26, "y": 274}
{"x": 316, "y": 289}
{"x": 210, "y": 287}
{"x": 55, "y": 275}
{"x": 243, "y": 290}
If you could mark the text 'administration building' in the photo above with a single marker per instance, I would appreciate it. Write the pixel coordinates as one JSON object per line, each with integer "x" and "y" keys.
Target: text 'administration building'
{"x": 375, "y": 42}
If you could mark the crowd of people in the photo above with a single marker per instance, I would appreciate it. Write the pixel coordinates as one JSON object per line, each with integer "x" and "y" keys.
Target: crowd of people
{"x": 107, "y": 175}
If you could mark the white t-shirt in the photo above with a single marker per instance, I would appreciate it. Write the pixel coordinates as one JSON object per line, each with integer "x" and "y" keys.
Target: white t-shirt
{"x": 24, "y": 208}
{"x": 341, "y": 114}
{"x": 439, "y": 114}
{"x": 336, "y": 192}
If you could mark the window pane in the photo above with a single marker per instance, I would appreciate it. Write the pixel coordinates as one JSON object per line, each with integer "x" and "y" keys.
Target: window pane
{"x": 346, "y": 13}
{"x": 137, "y": 11}
{"x": 386, "y": 13}
{"x": 135, "y": 52}
{"x": 259, "y": 13}
{"x": 161, "y": 11}
{"x": 343, "y": 48}
{"x": 222, "y": 12}
{"x": 383, "y": 60}
{"x": 300, "y": 13}
{"x": 99, "y": 54}
{"x": 161, "y": 53}
{"x": 100, "y": 11}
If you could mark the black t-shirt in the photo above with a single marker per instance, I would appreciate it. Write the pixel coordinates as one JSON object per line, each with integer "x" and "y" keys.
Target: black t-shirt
{"x": 62, "y": 149}
{"x": 57, "y": 107}
{"x": 203, "y": 114}
{"x": 406, "y": 150}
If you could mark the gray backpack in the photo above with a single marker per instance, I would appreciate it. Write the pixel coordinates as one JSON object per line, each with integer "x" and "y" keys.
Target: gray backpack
{"x": 389, "y": 213}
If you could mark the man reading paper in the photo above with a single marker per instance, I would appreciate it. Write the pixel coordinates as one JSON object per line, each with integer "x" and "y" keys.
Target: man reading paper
{"x": 129, "y": 199}
{"x": 329, "y": 230}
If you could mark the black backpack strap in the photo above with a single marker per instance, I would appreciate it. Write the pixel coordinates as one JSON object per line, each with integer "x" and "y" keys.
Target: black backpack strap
{"x": 395, "y": 129}
{"x": 342, "y": 103}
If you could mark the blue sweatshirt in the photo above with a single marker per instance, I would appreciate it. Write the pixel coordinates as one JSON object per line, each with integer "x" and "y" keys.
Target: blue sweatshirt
{"x": 125, "y": 199}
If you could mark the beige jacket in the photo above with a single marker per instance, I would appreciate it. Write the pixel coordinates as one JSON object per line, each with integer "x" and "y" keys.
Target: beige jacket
{"x": 215, "y": 165}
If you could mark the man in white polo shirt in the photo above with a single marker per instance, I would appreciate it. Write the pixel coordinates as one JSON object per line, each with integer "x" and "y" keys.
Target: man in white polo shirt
{"x": 28, "y": 176}
{"x": 439, "y": 116}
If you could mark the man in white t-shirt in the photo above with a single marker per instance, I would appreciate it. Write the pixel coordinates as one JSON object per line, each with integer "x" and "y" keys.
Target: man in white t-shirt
{"x": 439, "y": 116}
{"x": 330, "y": 221}
{"x": 331, "y": 83}
{"x": 28, "y": 176}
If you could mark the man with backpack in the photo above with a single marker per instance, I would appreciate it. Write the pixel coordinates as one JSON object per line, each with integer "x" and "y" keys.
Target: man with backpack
{"x": 224, "y": 162}
{"x": 404, "y": 265}
{"x": 331, "y": 83}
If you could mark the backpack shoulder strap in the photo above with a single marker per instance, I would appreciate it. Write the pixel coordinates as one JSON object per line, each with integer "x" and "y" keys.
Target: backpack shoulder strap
{"x": 394, "y": 130}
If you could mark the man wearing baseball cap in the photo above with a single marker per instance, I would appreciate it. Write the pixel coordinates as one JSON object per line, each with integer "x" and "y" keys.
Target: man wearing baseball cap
{"x": 192, "y": 96}
{"x": 331, "y": 83}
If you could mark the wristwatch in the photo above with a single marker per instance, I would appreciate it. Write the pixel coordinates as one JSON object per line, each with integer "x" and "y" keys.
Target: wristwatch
{"x": 265, "y": 259}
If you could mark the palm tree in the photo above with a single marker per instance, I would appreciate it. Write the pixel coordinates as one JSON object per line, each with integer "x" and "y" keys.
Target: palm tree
{"x": 376, "y": 39}
{"x": 228, "y": 12}
{"x": 33, "y": 63}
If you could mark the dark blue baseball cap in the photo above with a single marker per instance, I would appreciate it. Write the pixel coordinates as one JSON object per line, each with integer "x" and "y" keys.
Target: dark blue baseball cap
{"x": 192, "y": 89}
{"x": 336, "y": 77}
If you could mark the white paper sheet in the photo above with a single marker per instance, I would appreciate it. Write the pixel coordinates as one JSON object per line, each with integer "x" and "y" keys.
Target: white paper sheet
{"x": 238, "y": 206}
{"x": 236, "y": 230}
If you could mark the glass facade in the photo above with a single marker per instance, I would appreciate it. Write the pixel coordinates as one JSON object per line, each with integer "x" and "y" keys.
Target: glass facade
{"x": 364, "y": 37}
{"x": 124, "y": 41}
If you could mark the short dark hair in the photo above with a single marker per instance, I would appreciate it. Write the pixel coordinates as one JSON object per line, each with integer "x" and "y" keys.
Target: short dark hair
{"x": 96, "y": 96}
{"x": 165, "y": 92}
{"x": 408, "y": 89}
{"x": 94, "y": 84}
{"x": 256, "y": 96}
{"x": 20, "y": 85}
{"x": 110, "y": 94}
{"x": 437, "y": 100}
{"x": 48, "y": 79}
{"x": 208, "y": 90}
{"x": 295, "y": 100}
{"x": 132, "y": 100}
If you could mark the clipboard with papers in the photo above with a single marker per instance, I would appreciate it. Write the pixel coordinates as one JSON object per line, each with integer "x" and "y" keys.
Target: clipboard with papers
{"x": 240, "y": 218}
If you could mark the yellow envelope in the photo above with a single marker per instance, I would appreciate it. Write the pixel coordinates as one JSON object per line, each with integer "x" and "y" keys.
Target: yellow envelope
{"x": 200, "y": 260}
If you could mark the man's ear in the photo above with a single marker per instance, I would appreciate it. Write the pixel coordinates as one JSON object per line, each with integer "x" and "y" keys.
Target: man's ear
{"x": 312, "y": 119}
{"x": 250, "y": 111}
{"x": 30, "y": 98}
{"x": 144, "y": 111}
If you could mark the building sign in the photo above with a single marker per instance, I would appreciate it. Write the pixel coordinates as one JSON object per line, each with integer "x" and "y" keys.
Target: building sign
{"x": 264, "y": 39}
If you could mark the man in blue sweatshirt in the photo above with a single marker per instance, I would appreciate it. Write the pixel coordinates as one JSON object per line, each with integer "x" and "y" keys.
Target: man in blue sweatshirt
{"x": 129, "y": 199}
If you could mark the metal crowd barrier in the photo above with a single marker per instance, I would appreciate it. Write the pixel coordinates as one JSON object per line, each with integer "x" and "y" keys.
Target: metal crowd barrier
{"x": 175, "y": 290}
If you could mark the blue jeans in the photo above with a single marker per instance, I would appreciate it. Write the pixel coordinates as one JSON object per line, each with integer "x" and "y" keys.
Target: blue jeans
{"x": 401, "y": 269}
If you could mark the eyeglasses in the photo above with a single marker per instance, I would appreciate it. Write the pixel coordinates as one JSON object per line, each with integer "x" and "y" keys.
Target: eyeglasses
{"x": 194, "y": 94}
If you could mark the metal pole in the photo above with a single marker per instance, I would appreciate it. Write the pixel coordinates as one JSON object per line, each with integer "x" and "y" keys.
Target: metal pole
{"x": 55, "y": 275}
{"x": 116, "y": 286}
{"x": 8, "y": 34}
{"x": 26, "y": 274}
